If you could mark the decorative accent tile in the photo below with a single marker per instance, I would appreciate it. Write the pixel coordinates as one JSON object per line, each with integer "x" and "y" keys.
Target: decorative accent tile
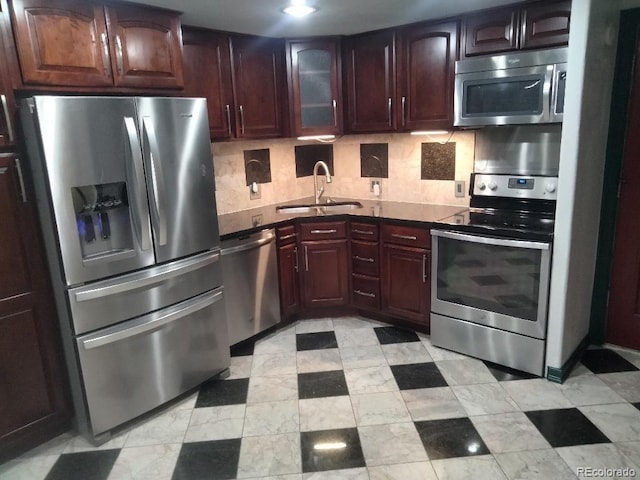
{"x": 331, "y": 450}
{"x": 308, "y": 155}
{"x": 374, "y": 160}
{"x": 257, "y": 166}
{"x": 438, "y": 161}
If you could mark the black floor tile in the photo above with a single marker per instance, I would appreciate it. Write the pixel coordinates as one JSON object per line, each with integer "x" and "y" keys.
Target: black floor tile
{"x": 223, "y": 392}
{"x": 418, "y": 375}
{"x": 243, "y": 349}
{"x": 602, "y": 360}
{"x": 637, "y": 405}
{"x": 322, "y": 384}
{"x": 316, "y": 341}
{"x": 387, "y": 335}
{"x": 331, "y": 450}
{"x": 455, "y": 437}
{"x": 94, "y": 465}
{"x": 208, "y": 460}
{"x": 566, "y": 427}
{"x": 503, "y": 374}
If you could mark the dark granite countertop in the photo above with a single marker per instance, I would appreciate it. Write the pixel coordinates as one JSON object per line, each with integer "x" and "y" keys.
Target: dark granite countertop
{"x": 247, "y": 221}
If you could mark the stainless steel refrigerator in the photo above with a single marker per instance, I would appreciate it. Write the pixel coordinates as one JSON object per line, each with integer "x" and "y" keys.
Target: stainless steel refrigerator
{"x": 125, "y": 190}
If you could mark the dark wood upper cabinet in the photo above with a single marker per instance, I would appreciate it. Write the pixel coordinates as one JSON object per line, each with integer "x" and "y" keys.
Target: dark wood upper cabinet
{"x": 370, "y": 76}
{"x": 62, "y": 42}
{"x": 34, "y": 396}
{"x": 427, "y": 64}
{"x": 257, "y": 67}
{"x": 533, "y": 25}
{"x": 545, "y": 25}
{"x": 83, "y": 44}
{"x": 145, "y": 46}
{"x": 491, "y": 32}
{"x": 207, "y": 73}
{"x": 314, "y": 80}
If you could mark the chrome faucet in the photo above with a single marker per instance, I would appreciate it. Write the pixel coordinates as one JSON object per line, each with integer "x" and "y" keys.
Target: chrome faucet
{"x": 318, "y": 192}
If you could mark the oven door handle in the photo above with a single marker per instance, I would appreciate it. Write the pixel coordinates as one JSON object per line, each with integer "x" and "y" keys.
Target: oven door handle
{"x": 502, "y": 242}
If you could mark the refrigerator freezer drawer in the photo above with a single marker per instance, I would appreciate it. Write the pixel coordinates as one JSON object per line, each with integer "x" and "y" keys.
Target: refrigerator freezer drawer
{"x": 134, "y": 367}
{"x": 108, "y": 302}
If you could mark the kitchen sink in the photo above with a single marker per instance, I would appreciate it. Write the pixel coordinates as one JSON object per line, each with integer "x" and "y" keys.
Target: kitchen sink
{"x": 319, "y": 207}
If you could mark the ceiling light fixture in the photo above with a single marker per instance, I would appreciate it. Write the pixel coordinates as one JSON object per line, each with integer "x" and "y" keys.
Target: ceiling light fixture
{"x": 299, "y": 8}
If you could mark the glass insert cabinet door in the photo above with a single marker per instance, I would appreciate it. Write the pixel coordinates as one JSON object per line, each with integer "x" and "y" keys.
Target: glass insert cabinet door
{"x": 498, "y": 282}
{"x": 314, "y": 87}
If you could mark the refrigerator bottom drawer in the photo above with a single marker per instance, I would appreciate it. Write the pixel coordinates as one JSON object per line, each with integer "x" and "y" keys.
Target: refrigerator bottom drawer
{"x": 134, "y": 367}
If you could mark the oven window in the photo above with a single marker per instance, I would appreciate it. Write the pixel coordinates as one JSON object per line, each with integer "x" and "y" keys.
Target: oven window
{"x": 493, "y": 278}
{"x": 504, "y": 96}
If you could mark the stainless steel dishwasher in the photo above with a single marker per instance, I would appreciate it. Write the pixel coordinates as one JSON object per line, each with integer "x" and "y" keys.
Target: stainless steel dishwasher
{"x": 250, "y": 275}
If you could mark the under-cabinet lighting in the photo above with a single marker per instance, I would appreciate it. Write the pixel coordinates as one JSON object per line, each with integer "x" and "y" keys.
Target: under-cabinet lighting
{"x": 320, "y": 138}
{"x": 430, "y": 132}
{"x": 298, "y": 8}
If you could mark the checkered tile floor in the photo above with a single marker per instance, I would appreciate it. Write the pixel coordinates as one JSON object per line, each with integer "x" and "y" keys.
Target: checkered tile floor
{"x": 348, "y": 398}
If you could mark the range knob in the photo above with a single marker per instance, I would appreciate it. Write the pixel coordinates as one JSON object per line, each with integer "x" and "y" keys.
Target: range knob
{"x": 493, "y": 186}
{"x": 482, "y": 186}
{"x": 550, "y": 187}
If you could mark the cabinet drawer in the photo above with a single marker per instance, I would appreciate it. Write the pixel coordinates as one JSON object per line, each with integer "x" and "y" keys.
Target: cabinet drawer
{"x": 404, "y": 235}
{"x": 323, "y": 230}
{"x": 365, "y": 292}
{"x": 286, "y": 235}
{"x": 364, "y": 231}
{"x": 365, "y": 258}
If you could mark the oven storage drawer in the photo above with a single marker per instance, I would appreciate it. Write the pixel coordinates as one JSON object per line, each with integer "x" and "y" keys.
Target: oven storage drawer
{"x": 140, "y": 364}
{"x": 365, "y": 258}
{"x": 365, "y": 292}
{"x": 323, "y": 230}
{"x": 405, "y": 235}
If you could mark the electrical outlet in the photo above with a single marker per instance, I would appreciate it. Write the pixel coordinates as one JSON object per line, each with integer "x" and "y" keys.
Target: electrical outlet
{"x": 459, "y": 188}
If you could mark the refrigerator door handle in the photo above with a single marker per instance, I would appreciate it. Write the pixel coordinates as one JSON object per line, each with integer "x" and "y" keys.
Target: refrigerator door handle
{"x": 141, "y": 214}
{"x": 152, "y": 322}
{"x": 157, "y": 181}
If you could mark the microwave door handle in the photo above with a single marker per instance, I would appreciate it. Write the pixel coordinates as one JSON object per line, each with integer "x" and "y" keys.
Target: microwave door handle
{"x": 140, "y": 212}
{"x": 547, "y": 92}
{"x": 157, "y": 180}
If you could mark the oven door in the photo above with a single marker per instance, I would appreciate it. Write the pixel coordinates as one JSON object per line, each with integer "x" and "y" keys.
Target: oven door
{"x": 497, "y": 282}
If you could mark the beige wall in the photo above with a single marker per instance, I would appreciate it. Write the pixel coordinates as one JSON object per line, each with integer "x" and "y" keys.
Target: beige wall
{"x": 403, "y": 185}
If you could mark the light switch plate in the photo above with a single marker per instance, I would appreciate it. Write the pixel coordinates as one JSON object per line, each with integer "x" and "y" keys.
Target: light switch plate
{"x": 459, "y": 188}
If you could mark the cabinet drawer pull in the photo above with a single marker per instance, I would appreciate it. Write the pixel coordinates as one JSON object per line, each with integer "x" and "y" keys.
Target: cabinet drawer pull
{"x": 334, "y": 104}
{"x": 424, "y": 269}
{"x": 7, "y": 117}
{"x": 362, "y": 232}
{"x": 404, "y": 237}
{"x": 120, "y": 55}
{"x": 295, "y": 254}
{"x": 23, "y": 192}
{"x": 241, "y": 120}
{"x": 364, "y": 294}
{"x": 362, "y": 259}
{"x": 389, "y": 111}
{"x": 404, "y": 106}
{"x": 333, "y": 230}
{"x": 306, "y": 259}
{"x": 105, "y": 53}
{"x": 287, "y": 237}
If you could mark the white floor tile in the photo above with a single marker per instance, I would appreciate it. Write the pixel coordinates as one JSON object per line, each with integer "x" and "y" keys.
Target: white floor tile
{"x": 537, "y": 394}
{"x": 168, "y": 427}
{"x": 215, "y": 423}
{"x": 240, "y": 367}
{"x": 468, "y": 468}
{"x": 620, "y": 422}
{"x": 406, "y": 353}
{"x": 326, "y": 413}
{"x": 28, "y": 468}
{"x": 485, "y": 399}
{"x": 509, "y": 432}
{"x": 588, "y": 390}
{"x": 403, "y": 471}
{"x": 154, "y": 462}
{"x": 391, "y": 444}
{"x": 433, "y": 404}
{"x": 534, "y": 465}
{"x": 625, "y": 384}
{"x": 465, "y": 372}
{"x": 272, "y": 389}
{"x": 602, "y": 455}
{"x": 270, "y": 455}
{"x": 319, "y": 360}
{"x": 346, "y": 474}
{"x": 314, "y": 325}
{"x": 356, "y": 337}
{"x": 370, "y": 380}
{"x": 379, "y": 408}
{"x": 362, "y": 357}
{"x": 270, "y": 365}
{"x": 271, "y": 418}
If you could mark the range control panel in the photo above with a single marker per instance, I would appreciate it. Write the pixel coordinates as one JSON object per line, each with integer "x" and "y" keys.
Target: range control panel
{"x": 515, "y": 186}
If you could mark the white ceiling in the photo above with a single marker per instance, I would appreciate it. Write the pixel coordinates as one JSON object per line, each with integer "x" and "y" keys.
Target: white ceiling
{"x": 334, "y": 17}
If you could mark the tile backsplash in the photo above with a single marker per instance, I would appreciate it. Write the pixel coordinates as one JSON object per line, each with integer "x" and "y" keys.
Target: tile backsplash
{"x": 404, "y": 183}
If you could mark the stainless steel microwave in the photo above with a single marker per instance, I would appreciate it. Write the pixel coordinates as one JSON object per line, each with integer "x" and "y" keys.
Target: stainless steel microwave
{"x": 511, "y": 89}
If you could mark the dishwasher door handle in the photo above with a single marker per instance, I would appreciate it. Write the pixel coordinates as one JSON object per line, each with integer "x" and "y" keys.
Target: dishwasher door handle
{"x": 248, "y": 246}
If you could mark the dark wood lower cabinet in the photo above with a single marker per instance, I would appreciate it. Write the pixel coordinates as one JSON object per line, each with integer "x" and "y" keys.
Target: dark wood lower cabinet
{"x": 405, "y": 282}
{"x": 288, "y": 267}
{"x": 325, "y": 276}
{"x": 33, "y": 386}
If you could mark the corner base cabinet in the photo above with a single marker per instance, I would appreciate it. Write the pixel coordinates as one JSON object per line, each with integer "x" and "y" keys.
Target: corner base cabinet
{"x": 288, "y": 270}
